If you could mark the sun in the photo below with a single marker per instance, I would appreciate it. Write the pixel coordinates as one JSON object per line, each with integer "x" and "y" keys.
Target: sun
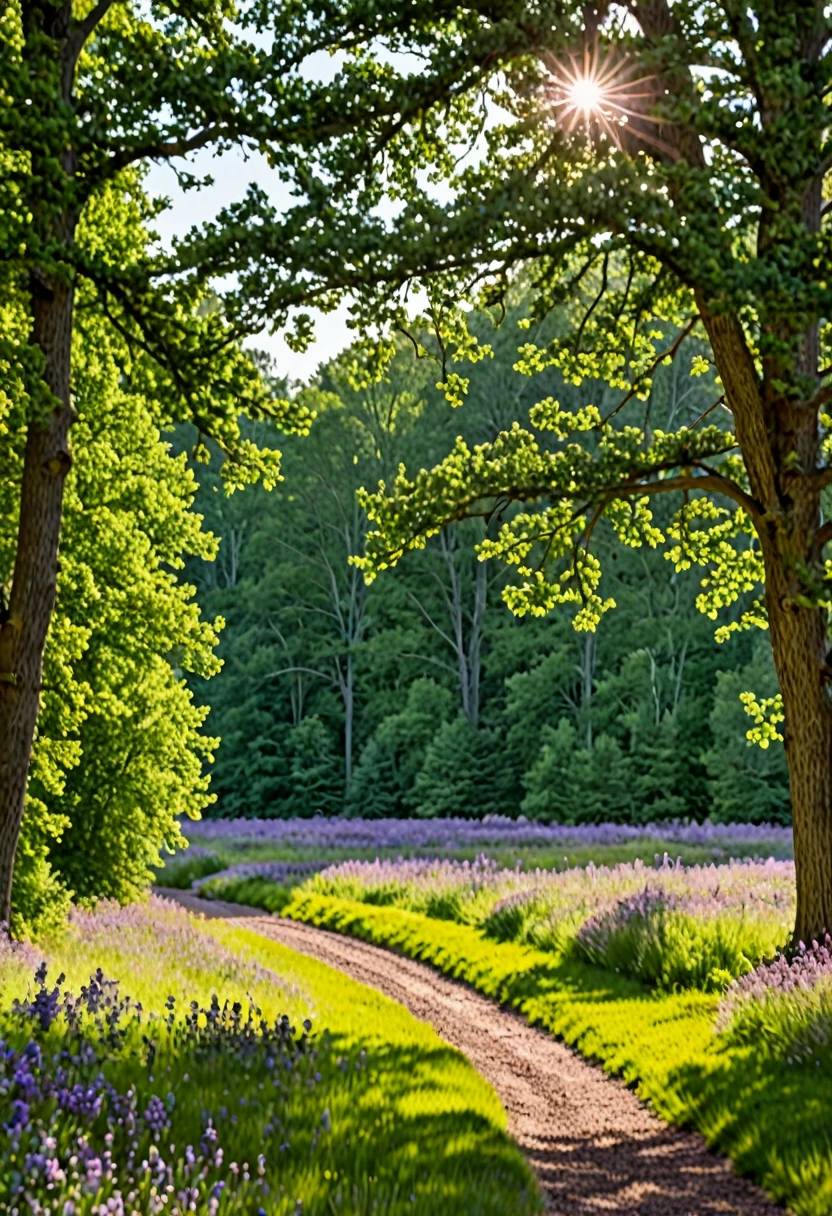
{"x": 586, "y": 94}
{"x": 599, "y": 94}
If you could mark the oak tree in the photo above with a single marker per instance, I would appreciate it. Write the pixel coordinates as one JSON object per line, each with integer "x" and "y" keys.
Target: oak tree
{"x": 660, "y": 169}
{"x": 90, "y": 92}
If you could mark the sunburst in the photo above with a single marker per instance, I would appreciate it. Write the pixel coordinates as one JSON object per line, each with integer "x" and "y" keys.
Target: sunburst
{"x": 600, "y": 93}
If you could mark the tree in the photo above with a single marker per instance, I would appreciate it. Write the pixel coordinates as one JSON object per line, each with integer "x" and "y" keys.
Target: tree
{"x": 461, "y": 773}
{"x": 120, "y": 752}
{"x": 392, "y": 758}
{"x": 687, "y": 198}
{"x": 90, "y": 92}
{"x": 459, "y": 584}
{"x": 571, "y": 784}
{"x": 315, "y": 782}
{"x": 654, "y": 658}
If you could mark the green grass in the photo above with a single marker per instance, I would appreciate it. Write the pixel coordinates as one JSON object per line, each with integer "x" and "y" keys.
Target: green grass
{"x": 230, "y": 852}
{"x": 414, "y": 1129}
{"x": 771, "y": 1117}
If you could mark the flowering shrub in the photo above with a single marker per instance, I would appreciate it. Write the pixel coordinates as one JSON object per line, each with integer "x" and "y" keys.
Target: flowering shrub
{"x": 784, "y": 1007}
{"x": 668, "y": 925}
{"x": 657, "y": 937}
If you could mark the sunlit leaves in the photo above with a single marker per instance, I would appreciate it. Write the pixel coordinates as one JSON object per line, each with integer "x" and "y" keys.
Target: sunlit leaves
{"x": 727, "y": 546}
{"x": 570, "y": 487}
{"x": 767, "y": 715}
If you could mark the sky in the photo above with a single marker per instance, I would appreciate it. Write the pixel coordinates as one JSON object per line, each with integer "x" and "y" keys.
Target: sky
{"x": 232, "y": 175}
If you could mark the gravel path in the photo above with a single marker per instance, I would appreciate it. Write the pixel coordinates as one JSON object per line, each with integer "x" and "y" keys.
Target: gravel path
{"x": 594, "y": 1146}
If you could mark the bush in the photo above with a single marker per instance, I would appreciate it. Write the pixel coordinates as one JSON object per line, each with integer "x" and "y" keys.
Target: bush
{"x": 462, "y": 773}
{"x": 652, "y": 938}
{"x": 784, "y": 1008}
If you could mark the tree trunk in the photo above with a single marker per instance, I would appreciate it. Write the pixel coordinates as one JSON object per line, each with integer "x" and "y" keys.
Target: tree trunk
{"x": 475, "y": 642}
{"x": 799, "y": 644}
{"x": 349, "y": 712}
{"x": 25, "y": 622}
{"x": 586, "y": 668}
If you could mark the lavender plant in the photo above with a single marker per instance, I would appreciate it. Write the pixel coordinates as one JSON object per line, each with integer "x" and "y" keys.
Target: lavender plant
{"x": 95, "y": 1122}
{"x": 668, "y": 925}
{"x": 669, "y": 941}
{"x": 784, "y": 1007}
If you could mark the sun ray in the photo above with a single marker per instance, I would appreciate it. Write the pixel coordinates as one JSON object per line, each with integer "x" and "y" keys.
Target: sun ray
{"x": 601, "y": 95}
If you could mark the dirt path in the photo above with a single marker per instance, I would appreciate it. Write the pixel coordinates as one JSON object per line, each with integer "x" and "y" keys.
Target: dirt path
{"x": 594, "y": 1146}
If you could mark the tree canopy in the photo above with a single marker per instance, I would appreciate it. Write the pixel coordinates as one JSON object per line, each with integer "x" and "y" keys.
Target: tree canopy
{"x": 643, "y": 687}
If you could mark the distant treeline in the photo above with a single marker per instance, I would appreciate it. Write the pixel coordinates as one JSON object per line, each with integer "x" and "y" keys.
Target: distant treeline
{"x": 422, "y": 694}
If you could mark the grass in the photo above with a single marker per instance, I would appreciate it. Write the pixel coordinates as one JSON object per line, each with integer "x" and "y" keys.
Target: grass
{"x": 770, "y": 1116}
{"x": 386, "y": 1119}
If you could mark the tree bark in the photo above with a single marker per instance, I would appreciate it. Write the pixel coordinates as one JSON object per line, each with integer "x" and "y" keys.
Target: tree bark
{"x": 586, "y": 668}
{"x": 348, "y": 695}
{"x": 799, "y": 644}
{"x": 25, "y": 621}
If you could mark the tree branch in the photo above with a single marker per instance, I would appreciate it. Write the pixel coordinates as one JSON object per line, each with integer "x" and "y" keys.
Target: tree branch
{"x": 670, "y": 353}
{"x": 161, "y": 151}
{"x": 81, "y": 30}
{"x": 310, "y": 671}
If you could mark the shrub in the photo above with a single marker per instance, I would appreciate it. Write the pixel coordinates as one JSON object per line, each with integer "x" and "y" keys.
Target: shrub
{"x": 182, "y": 870}
{"x": 784, "y": 1007}
{"x": 651, "y": 937}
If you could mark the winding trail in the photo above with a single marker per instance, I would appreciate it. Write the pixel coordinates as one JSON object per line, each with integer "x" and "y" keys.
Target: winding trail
{"x": 595, "y": 1147}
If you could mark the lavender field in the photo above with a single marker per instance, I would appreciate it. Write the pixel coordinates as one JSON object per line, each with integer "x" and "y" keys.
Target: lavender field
{"x": 148, "y": 1065}
{"x": 320, "y": 833}
{"x": 253, "y": 847}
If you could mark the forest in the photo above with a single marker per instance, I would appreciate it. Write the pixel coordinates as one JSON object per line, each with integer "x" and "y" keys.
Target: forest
{"x": 422, "y": 693}
{"x": 416, "y": 768}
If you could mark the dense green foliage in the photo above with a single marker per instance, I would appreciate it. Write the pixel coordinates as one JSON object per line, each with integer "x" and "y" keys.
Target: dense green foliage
{"x": 422, "y": 693}
{"x": 120, "y": 751}
{"x": 766, "y": 1112}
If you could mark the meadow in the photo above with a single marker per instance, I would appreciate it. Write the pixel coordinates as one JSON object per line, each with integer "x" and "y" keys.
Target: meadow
{"x": 151, "y": 1064}
{"x": 675, "y": 976}
{"x": 245, "y": 847}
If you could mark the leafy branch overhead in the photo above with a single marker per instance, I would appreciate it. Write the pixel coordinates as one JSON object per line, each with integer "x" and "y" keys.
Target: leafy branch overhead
{"x": 577, "y": 484}
{"x": 92, "y": 93}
